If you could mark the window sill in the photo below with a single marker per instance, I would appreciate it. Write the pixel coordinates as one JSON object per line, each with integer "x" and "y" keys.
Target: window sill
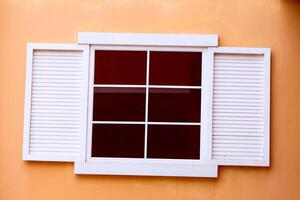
{"x": 149, "y": 167}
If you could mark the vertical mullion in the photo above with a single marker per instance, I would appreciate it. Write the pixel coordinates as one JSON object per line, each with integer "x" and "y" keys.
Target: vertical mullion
{"x": 146, "y": 107}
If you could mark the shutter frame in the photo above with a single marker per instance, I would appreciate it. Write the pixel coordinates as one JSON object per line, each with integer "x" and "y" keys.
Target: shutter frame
{"x": 265, "y": 161}
{"x": 31, "y": 47}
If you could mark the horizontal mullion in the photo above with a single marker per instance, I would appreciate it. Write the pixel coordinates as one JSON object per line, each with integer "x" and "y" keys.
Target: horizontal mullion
{"x": 175, "y": 123}
{"x": 175, "y": 86}
{"x": 119, "y": 86}
{"x": 150, "y": 123}
{"x": 150, "y": 86}
{"x": 118, "y": 122}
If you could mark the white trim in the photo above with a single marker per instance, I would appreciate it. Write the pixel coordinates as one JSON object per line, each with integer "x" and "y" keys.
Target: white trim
{"x": 145, "y": 86}
{"x": 267, "y": 106}
{"x": 27, "y": 106}
{"x": 85, "y": 90}
{"x": 91, "y": 165}
{"x": 175, "y": 86}
{"x": 191, "y": 40}
{"x": 88, "y": 139}
{"x": 26, "y": 155}
{"x": 118, "y": 122}
{"x": 146, "y": 48}
{"x": 176, "y": 123}
{"x": 239, "y": 50}
{"x": 206, "y": 105}
{"x": 147, "y": 122}
{"x": 146, "y": 105}
{"x": 147, "y": 168}
{"x": 118, "y": 86}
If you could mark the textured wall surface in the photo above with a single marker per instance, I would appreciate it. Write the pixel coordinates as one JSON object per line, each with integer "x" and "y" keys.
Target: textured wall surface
{"x": 245, "y": 23}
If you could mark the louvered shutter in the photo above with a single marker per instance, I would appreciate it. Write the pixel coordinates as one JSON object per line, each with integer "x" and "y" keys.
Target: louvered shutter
{"x": 55, "y": 101}
{"x": 240, "y": 108}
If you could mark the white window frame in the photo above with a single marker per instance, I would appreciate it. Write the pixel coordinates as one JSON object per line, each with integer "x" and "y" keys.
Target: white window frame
{"x": 152, "y": 167}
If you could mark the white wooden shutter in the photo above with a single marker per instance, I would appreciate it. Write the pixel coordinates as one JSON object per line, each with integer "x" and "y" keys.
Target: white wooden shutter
{"x": 55, "y": 101}
{"x": 241, "y": 100}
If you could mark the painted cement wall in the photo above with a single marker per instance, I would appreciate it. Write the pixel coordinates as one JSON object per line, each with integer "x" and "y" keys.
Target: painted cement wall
{"x": 246, "y": 23}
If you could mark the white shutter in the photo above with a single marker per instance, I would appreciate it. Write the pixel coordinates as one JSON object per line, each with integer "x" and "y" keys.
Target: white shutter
{"x": 241, "y": 101}
{"x": 55, "y": 101}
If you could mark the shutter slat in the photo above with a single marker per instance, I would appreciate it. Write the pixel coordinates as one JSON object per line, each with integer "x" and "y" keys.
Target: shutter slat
{"x": 238, "y": 119}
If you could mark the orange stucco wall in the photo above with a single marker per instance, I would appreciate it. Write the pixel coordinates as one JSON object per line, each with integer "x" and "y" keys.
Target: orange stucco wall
{"x": 246, "y": 23}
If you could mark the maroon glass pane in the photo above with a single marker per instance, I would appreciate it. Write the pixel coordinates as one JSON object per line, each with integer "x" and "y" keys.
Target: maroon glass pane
{"x": 173, "y": 142}
{"x": 119, "y": 104}
{"x": 120, "y": 67}
{"x": 175, "y": 68}
{"x": 174, "y": 105}
{"x": 118, "y": 140}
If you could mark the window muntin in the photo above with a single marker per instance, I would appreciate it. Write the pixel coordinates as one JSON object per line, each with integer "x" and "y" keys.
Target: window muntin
{"x": 175, "y": 105}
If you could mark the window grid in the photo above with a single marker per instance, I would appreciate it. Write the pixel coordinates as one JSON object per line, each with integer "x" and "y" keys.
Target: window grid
{"x": 147, "y": 86}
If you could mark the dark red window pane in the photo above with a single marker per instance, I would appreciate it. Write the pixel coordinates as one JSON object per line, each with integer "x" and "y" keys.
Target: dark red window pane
{"x": 118, "y": 140}
{"x": 119, "y": 104}
{"x": 174, "y": 142}
{"x": 174, "y": 105}
{"x": 175, "y": 68}
{"x": 120, "y": 67}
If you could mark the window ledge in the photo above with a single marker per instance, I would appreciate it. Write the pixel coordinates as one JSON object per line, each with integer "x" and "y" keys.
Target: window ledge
{"x": 147, "y": 169}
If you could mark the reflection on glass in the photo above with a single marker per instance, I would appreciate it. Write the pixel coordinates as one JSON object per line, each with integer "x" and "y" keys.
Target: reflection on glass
{"x": 120, "y": 67}
{"x": 119, "y": 104}
{"x": 174, "y": 105}
{"x": 173, "y": 142}
{"x": 118, "y": 140}
{"x": 175, "y": 68}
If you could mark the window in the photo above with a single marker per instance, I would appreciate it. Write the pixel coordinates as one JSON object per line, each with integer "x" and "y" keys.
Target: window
{"x": 147, "y": 104}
